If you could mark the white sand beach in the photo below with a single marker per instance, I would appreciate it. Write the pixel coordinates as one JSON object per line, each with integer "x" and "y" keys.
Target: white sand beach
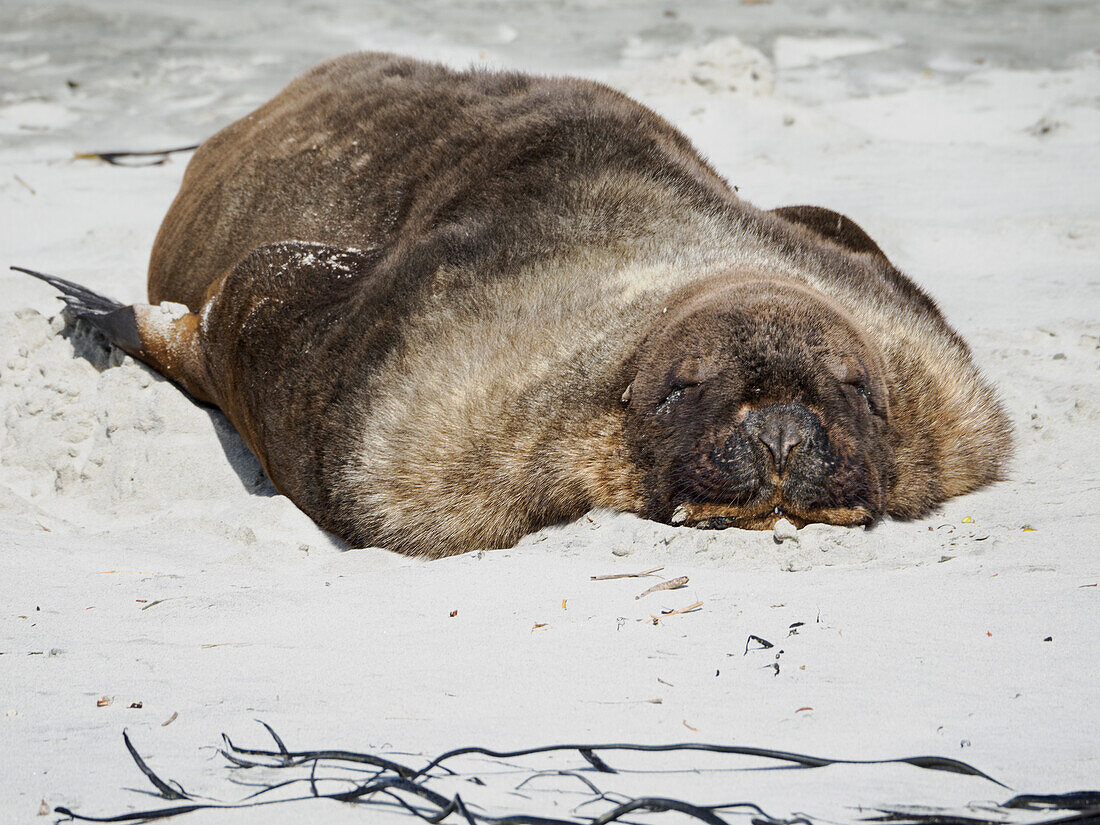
{"x": 152, "y": 580}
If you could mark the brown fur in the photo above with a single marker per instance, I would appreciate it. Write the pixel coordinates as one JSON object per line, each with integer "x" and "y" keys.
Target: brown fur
{"x": 448, "y": 308}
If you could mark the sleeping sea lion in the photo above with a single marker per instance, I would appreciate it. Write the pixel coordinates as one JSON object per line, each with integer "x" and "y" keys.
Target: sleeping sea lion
{"x": 448, "y": 308}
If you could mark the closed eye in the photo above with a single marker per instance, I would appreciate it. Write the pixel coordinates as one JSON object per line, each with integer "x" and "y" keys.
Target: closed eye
{"x": 670, "y": 399}
{"x": 675, "y": 393}
{"x": 864, "y": 394}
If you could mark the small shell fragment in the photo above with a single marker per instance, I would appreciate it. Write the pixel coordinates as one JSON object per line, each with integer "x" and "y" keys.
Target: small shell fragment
{"x": 671, "y": 584}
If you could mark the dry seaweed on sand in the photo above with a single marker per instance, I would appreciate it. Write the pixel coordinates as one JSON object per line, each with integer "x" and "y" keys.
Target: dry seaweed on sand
{"x": 155, "y": 157}
{"x": 426, "y": 792}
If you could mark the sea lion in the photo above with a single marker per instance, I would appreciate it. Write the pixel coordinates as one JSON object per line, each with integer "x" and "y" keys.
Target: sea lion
{"x": 448, "y": 308}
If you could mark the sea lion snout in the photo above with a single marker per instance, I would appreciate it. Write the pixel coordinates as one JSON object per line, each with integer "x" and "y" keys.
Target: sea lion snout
{"x": 783, "y": 428}
{"x": 778, "y": 454}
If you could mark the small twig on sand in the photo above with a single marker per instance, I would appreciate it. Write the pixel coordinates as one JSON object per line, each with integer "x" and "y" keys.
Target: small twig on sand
{"x": 657, "y": 701}
{"x": 666, "y": 613}
{"x": 159, "y": 601}
{"x": 24, "y": 183}
{"x": 610, "y": 576}
{"x": 671, "y": 584}
{"x": 688, "y": 609}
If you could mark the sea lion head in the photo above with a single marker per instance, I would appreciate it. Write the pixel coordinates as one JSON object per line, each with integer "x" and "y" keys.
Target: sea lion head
{"x": 759, "y": 400}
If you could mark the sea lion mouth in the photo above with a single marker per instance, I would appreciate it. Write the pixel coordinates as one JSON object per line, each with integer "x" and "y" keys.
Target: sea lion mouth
{"x": 722, "y": 516}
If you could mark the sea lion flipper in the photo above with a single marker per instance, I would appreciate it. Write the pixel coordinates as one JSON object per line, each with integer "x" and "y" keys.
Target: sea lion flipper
{"x": 846, "y": 233}
{"x": 163, "y": 337}
{"x": 78, "y": 298}
{"x": 840, "y": 229}
{"x": 115, "y": 321}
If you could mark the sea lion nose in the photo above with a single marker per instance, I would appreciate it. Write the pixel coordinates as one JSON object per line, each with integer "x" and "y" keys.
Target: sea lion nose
{"x": 780, "y": 428}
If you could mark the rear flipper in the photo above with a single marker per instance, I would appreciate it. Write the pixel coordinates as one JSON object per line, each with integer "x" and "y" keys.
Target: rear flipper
{"x": 165, "y": 336}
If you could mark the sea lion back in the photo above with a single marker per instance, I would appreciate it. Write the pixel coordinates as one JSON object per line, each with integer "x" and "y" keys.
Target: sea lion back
{"x": 374, "y": 150}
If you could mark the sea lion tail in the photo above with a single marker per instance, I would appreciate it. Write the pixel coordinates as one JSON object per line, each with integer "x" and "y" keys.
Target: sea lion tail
{"x": 165, "y": 337}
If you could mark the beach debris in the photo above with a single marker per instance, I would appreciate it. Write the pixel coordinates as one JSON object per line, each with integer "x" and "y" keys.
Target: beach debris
{"x": 671, "y": 584}
{"x": 103, "y": 701}
{"x": 762, "y": 644}
{"x": 610, "y": 576}
{"x": 657, "y": 701}
{"x": 679, "y": 611}
{"x": 793, "y": 629}
{"x": 420, "y": 792}
{"x": 453, "y": 613}
{"x": 784, "y": 531}
{"x": 170, "y": 719}
{"x": 158, "y": 156}
{"x": 689, "y": 727}
{"x": 1043, "y": 127}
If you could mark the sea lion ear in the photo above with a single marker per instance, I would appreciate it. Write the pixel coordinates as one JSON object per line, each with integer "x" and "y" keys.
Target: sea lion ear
{"x": 628, "y": 393}
{"x": 832, "y": 226}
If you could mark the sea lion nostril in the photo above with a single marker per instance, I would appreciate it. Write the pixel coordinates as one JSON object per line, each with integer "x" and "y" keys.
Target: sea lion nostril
{"x": 779, "y": 439}
{"x": 780, "y": 428}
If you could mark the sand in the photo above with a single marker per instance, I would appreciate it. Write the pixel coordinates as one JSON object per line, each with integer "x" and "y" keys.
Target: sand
{"x": 145, "y": 558}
